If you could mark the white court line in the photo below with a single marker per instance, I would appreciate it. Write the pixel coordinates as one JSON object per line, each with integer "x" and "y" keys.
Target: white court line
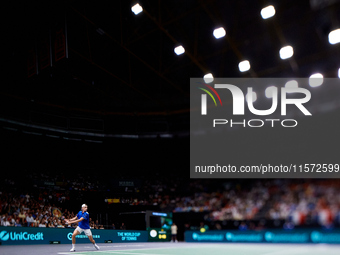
{"x": 127, "y": 250}
{"x": 72, "y": 252}
{"x": 115, "y": 246}
{"x": 286, "y": 250}
{"x": 109, "y": 251}
{"x": 146, "y": 248}
{"x": 122, "y": 252}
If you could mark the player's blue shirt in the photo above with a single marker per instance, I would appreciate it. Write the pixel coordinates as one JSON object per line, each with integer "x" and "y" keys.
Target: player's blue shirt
{"x": 85, "y": 223}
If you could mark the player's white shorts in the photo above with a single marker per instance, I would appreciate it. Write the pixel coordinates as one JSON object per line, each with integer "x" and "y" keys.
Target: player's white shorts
{"x": 86, "y": 231}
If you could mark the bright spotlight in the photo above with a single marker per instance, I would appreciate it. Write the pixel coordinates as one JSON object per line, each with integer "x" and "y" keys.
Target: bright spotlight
{"x": 270, "y": 91}
{"x": 136, "y": 9}
{"x": 219, "y": 32}
{"x": 292, "y": 84}
{"x": 179, "y": 50}
{"x": 268, "y": 12}
{"x": 244, "y": 66}
{"x": 315, "y": 80}
{"x": 339, "y": 72}
{"x": 286, "y": 52}
{"x": 251, "y": 97}
{"x": 208, "y": 78}
{"x": 334, "y": 36}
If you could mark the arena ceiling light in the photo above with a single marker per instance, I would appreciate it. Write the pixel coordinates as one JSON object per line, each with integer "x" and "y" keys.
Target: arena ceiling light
{"x": 315, "y": 80}
{"x": 286, "y": 52}
{"x": 268, "y": 12}
{"x": 179, "y": 50}
{"x": 244, "y": 66}
{"x": 252, "y": 97}
{"x": 136, "y": 9}
{"x": 219, "y": 32}
{"x": 208, "y": 78}
{"x": 334, "y": 36}
{"x": 270, "y": 91}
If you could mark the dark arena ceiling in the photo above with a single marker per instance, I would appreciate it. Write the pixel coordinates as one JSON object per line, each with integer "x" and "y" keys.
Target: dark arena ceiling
{"x": 80, "y": 66}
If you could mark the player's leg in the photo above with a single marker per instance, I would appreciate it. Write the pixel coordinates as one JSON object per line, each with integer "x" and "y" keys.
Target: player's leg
{"x": 89, "y": 235}
{"x": 76, "y": 232}
{"x": 91, "y": 239}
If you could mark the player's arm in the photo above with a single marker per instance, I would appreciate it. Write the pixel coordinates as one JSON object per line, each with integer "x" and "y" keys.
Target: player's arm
{"x": 74, "y": 221}
{"x": 74, "y": 218}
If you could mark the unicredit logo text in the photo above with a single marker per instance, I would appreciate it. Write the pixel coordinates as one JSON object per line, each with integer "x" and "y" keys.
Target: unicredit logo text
{"x": 24, "y": 236}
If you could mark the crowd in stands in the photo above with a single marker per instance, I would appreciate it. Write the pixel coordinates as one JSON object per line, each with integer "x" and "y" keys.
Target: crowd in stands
{"x": 297, "y": 202}
{"x": 25, "y": 211}
{"x": 41, "y": 207}
{"x": 302, "y": 203}
{"x": 231, "y": 203}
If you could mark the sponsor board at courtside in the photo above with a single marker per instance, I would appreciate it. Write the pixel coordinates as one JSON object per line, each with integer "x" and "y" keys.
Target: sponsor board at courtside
{"x": 29, "y": 235}
{"x": 21, "y": 235}
{"x": 69, "y": 236}
{"x": 266, "y": 236}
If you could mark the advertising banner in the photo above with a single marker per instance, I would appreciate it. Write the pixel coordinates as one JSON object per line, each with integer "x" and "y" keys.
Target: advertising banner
{"x": 159, "y": 235}
{"x": 23, "y": 235}
{"x": 266, "y": 236}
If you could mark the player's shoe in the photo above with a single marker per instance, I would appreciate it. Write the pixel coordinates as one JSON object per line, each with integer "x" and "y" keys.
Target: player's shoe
{"x": 96, "y": 246}
{"x": 73, "y": 249}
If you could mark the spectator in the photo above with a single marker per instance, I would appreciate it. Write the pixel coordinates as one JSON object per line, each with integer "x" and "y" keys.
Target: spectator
{"x": 218, "y": 226}
{"x": 261, "y": 225}
{"x": 17, "y": 223}
{"x": 35, "y": 223}
{"x": 11, "y": 220}
{"x": 22, "y": 216}
{"x": 5, "y": 222}
{"x": 288, "y": 225}
{"x": 42, "y": 224}
{"x": 50, "y": 224}
{"x": 113, "y": 226}
{"x": 96, "y": 225}
{"x": 243, "y": 226}
{"x": 30, "y": 220}
{"x": 91, "y": 224}
{"x": 123, "y": 227}
{"x": 59, "y": 225}
{"x": 27, "y": 198}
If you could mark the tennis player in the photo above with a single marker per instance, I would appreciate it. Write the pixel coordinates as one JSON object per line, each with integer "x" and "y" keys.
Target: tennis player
{"x": 83, "y": 218}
